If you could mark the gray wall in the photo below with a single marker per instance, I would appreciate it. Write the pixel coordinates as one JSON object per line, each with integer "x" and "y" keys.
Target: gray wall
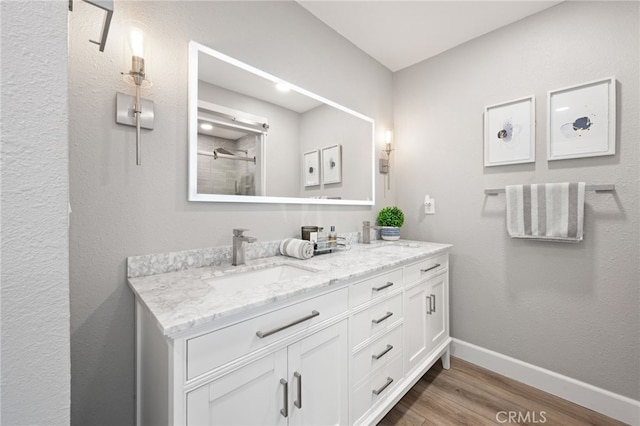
{"x": 120, "y": 209}
{"x": 572, "y": 309}
{"x": 35, "y": 250}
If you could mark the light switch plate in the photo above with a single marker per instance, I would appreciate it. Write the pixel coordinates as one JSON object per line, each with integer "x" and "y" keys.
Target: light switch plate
{"x": 429, "y": 205}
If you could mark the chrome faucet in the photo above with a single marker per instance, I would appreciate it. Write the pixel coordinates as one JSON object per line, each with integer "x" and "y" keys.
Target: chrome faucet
{"x": 237, "y": 255}
{"x": 366, "y": 232}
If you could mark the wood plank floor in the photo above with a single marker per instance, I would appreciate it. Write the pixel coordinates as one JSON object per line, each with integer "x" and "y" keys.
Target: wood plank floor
{"x": 470, "y": 395}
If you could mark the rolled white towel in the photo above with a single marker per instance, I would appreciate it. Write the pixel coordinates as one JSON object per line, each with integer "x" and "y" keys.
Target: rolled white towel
{"x": 301, "y": 249}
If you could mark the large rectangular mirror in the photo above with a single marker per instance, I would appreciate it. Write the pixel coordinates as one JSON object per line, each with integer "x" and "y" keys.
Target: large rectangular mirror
{"x": 258, "y": 139}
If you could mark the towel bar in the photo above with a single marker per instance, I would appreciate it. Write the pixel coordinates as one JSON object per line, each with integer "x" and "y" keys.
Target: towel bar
{"x": 597, "y": 188}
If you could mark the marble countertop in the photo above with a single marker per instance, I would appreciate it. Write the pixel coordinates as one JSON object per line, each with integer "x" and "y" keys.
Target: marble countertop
{"x": 188, "y": 298}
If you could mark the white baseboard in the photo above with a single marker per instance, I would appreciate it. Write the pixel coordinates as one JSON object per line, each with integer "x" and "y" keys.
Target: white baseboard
{"x": 603, "y": 401}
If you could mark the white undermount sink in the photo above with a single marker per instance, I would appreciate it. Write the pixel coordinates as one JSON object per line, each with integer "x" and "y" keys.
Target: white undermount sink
{"x": 248, "y": 279}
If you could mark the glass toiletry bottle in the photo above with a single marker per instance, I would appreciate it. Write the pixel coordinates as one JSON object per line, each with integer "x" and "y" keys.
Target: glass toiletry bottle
{"x": 322, "y": 243}
{"x": 333, "y": 237}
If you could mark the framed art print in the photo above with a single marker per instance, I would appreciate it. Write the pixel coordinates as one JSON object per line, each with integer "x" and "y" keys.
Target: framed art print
{"x": 311, "y": 168}
{"x": 509, "y": 132}
{"x": 332, "y": 164}
{"x": 582, "y": 120}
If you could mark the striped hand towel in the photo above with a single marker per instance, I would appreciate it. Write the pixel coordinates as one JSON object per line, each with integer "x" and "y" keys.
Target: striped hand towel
{"x": 301, "y": 249}
{"x": 550, "y": 212}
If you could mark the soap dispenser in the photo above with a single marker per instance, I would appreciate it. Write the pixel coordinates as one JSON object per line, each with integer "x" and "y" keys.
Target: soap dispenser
{"x": 333, "y": 237}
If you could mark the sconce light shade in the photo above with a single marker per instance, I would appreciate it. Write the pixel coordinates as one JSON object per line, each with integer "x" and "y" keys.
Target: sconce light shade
{"x": 136, "y": 54}
{"x": 135, "y": 39}
{"x": 388, "y": 139}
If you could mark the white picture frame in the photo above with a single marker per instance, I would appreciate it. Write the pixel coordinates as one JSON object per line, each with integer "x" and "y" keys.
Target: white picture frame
{"x": 332, "y": 164}
{"x": 582, "y": 120}
{"x": 510, "y": 133}
{"x": 311, "y": 168}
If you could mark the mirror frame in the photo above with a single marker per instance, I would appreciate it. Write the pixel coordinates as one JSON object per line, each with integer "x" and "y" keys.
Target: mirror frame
{"x": 192, "y": 102}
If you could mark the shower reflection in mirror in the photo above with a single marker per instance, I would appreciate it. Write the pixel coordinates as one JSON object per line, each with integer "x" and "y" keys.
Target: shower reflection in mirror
{"x": 230, "y": 151}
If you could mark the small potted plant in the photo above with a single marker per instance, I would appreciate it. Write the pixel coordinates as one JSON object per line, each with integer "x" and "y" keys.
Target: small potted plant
{"x": 390, "y": 219}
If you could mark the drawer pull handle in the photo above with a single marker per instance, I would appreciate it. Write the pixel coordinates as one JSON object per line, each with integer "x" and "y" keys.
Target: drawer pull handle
{"x": 298, "y": 402}
{"x": 434, "y": 302}
{"x": 285, "y": 396}
{"x": 383, "y": 353}
{"x": 379, "y": 391}
{"x": 437, "y": 265}
{"x": 387, "y": 285}
{"x": 263, "y": 334}
{"x": 378, "y": 321}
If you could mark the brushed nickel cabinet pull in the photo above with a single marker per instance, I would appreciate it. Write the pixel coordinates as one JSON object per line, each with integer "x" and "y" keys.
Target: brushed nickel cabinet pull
{"x": 378, "y": 391}
{"x": 434, "y": 302}
{"x": 378, "y": 321}
{"x": 383, "y": 353}
{"x": 285, "y": 396}
{"x": 387, "y": 285}
{"x": 428, "y": 269}
{"x": 263, "y": 334}
{"x": 298, "y": 402}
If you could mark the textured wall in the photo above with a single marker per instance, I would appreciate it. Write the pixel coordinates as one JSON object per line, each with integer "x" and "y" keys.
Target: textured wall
{"x": 35, "y": 279}
{"x": 572, "y": 309}
{"x": 120, "y": 209}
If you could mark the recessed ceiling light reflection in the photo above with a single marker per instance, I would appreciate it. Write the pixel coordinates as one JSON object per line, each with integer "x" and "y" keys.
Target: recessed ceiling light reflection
{"x": 283, "y": 87}
{"x": 206, "y": 126}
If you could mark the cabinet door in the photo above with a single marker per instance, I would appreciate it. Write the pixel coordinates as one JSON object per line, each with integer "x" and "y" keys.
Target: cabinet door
{"x": 318, "y": 378}
{"x": 251, "y": 395}
{"x": 438, "y": 327}
{"x": 415, "y": 325}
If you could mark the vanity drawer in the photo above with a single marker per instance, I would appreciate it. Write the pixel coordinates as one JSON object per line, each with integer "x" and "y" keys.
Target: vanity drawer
{"x": 376, "y": 354}
{"x": 416, "y": 271}
{"x": 376, "y": 319}
{"x": 214, "y": 349}
{"x": 375, "y": 287}
{"x": 380, "y": 384}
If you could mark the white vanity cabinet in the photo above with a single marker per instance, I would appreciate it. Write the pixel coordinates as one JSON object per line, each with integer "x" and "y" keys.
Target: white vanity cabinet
{"x": 341, "y": 354}
{"x": 426, "y": 310}
{"x": 389, "y": 363}
{"x": 288, "y": 366}
{"x": 302, "y": 384}
{"x": 376, "y": 341}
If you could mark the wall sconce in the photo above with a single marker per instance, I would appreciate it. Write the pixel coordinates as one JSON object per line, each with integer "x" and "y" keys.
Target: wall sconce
{"x": 134, "y": 111}
{"x": 384, "y": 162}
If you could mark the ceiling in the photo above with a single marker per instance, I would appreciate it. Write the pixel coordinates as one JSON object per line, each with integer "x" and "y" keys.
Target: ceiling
{"x": 399, "y": 34}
